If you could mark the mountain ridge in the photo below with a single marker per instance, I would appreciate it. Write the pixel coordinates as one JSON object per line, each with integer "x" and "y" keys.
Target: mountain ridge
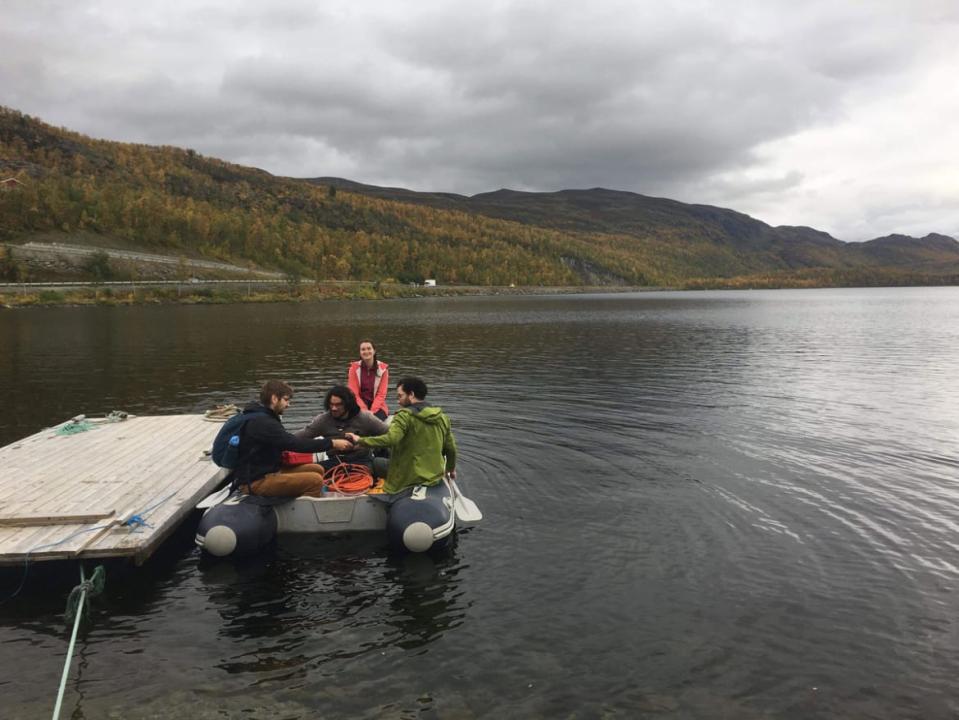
{"x": 176, "y": 200}
{"x": 592, "y": 200}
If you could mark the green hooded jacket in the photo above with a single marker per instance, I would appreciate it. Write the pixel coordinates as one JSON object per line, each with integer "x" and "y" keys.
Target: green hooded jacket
{"x": 419, "y": 437}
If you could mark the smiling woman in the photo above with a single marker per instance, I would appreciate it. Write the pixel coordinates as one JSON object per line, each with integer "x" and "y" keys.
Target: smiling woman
{"x": 369, "y": 379}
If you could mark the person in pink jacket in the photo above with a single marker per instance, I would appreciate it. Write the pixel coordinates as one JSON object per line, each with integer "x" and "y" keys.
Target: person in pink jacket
{"x": 369, "y": 380}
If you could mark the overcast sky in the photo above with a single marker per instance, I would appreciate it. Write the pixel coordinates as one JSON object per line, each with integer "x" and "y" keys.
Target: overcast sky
{"x": 843, "y": 116}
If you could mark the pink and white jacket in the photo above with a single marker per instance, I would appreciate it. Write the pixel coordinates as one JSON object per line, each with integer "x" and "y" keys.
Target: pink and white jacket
{"x": 380, "y": 385}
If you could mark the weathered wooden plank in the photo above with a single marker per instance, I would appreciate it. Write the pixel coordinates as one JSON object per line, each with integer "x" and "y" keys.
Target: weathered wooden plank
{"x": 62, "y": 489}
{"x": 94, "y": 476}
{"x": 152, "y": 465}
{"x": 159, "y": 483}
{"x": 47, "y": 461}
{"x": 124, "y": 540}
{"x": 81, "y": 519}
{"x": 130, "y": 481}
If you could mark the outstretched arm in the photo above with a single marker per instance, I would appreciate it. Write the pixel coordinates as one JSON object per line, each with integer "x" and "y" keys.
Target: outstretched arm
{"x": 390, "y": 438}
{"x": 313, "y": 429}
{"x": 271, "y": 432}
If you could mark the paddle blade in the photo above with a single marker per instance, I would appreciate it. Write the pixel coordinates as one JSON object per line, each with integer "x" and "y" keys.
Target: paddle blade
{"x": 467, "y": 512}
{"x": 214, "y": 498}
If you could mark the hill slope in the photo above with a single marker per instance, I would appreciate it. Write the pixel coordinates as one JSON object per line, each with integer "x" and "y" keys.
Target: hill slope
{"x": 617, "y": 212}
{"x": 175, "y": 201}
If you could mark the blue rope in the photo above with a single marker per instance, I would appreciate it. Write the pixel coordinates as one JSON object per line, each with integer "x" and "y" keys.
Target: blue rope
{"x": 134, "y": 522}
{"x": 157, "y": 504}
{"x": 26, "y": 561}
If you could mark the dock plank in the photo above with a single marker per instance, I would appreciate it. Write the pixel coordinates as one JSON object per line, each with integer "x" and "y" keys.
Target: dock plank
{"x": 72, "y": 519}
{"x": 121, "y": 483}
{"x": 147, "y": 465}
{"x": 74, "y": 476}
{"x": 47, "y": 458}
{"x": 134, "y": 491}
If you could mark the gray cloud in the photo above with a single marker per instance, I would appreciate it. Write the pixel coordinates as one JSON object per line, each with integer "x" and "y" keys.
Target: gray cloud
{"x": 665, "y": 99}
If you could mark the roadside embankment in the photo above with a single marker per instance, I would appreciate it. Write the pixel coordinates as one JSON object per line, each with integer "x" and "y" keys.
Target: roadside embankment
{"x": 26, "y": 295}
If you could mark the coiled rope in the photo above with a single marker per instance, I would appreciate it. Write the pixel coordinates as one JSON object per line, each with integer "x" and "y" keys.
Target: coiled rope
{"x": 348, "y": 479}
{"x": 220, "y": 413}
{"x": 75, "y": 426}
{"x": 81, "y": 423}
{"x": 78, "y": 596}
{"x": 86, "y": 589}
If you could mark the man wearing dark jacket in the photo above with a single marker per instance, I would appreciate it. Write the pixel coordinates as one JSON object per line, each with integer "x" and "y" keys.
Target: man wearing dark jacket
{"x": 343, "y": 415}
{"x": 262, "y": 442}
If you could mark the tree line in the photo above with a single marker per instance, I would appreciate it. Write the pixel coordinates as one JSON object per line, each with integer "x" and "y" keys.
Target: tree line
{"x": 177, "y": 201}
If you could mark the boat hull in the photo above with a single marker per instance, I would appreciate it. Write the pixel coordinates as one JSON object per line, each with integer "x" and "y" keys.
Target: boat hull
{"x": 416, "y": 520}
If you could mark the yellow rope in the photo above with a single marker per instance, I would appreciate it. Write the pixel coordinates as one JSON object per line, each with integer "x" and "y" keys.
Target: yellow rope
{"x": 221, "y": 413}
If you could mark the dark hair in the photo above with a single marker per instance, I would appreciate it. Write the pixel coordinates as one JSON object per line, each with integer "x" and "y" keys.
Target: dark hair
{"x": 344, "y": 394}
{"x": 413, "y": 386}
{"x": 274, "y": 387}
{"x": 375, "y": 358}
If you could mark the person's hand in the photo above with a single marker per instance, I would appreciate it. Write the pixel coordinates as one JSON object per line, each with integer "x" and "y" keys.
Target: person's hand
{"x": 342, "y": 444}
{"x": 352, "y": 437}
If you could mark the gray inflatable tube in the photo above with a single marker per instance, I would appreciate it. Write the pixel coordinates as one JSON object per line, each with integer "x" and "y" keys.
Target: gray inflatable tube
{"x": 240, "y": 525}
{"x": 416, "y": 520}
{"x": 420, "y": 518}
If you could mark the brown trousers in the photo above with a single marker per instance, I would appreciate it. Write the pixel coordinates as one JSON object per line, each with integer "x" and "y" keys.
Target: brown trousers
{"x": 291, "y": 482}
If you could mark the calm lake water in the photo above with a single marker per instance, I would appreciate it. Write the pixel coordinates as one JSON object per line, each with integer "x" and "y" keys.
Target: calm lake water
{"x": 698, "y": 505}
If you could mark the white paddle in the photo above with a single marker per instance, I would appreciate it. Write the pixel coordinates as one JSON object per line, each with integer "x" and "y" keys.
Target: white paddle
{"x": 214, "y": 498}
{"x": 467, "y": 513}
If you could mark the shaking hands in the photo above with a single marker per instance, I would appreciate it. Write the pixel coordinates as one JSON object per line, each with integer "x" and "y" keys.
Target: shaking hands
{"x": 342, "y": 445}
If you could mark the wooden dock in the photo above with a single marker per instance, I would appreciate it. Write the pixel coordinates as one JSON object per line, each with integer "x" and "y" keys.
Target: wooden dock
{"x": 83, "y": 495}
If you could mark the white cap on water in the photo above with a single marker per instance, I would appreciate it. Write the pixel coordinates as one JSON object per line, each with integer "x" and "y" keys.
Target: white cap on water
{"x": 220, "y": 541}
{"x": 418, "y": 537}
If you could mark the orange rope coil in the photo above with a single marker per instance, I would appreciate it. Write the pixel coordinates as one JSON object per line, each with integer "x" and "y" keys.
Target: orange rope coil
{"x": 349, "y": 479}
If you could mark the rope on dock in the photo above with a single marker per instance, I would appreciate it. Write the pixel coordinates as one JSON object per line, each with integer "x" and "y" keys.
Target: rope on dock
{"x": 221, "y": 413}
{"x": 134, "y": 523}
{"x": 74, "y": 426}
{"x": 81, "y": 423}
{"x": 78, "y": 596}
{"x": 26, "y": 561}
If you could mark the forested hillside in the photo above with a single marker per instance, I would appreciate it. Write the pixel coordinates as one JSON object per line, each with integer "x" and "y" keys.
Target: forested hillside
{"x": 176, "y": 201}
{"x": 614, "y": 212}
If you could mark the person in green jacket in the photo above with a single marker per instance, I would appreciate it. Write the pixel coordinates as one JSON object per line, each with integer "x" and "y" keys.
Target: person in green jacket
{"x": 421, "y": 442}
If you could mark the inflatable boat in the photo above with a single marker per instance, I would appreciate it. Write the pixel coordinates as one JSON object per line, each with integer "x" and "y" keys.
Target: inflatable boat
{"x": 415, "y": 520}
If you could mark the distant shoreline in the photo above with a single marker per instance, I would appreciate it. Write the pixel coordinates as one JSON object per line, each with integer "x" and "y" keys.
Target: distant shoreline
{"x": 14, "y": 297}
{"x": 67, "y": 295}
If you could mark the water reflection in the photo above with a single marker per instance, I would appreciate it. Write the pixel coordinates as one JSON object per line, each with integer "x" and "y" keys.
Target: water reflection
{"x": 425, "y": 601}
{"x": 697, "y": 504}
{"x": 309, "y": 602}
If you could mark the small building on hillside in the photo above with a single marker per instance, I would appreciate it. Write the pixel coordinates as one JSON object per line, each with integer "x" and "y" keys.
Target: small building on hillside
{"x": 11, "y": 183}
{"x": 429, "y": 283}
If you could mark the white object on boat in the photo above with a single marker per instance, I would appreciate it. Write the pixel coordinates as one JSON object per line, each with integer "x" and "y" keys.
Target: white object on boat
{"x": 467, "y": 512}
